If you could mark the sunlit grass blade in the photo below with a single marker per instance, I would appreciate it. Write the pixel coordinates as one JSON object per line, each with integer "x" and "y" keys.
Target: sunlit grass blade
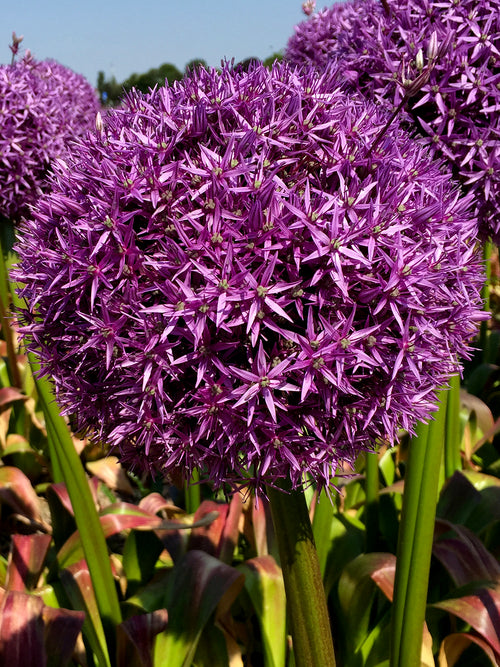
{"x": 415, "y": 539}
{"x": 86, "y": 517}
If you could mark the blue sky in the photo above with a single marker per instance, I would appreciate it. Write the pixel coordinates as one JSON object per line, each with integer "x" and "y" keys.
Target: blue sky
{"x": 129, "y": 36}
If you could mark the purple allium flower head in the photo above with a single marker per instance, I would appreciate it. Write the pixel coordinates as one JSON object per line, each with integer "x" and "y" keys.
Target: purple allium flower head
{"x": 457, "y": 111}
{"x": 227, "y": 277}
{"x": 43, "y": 106}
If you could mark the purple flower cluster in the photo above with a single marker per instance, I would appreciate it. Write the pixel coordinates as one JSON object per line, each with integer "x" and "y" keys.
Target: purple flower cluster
{"x": 229, "y": 276}
{"x": 43, "y": 106}
{"x": 457, "y": 111}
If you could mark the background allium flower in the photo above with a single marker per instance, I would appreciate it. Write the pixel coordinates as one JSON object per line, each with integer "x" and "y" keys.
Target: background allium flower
{"x": 43, "y": 106}
{"x": 458, "y": 110}
{"x": 226, "y": 278}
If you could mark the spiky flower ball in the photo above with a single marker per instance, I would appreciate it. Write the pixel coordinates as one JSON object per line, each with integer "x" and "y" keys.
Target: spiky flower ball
{"x": 43, "y": 107}
{"x": 229, "y": 276}
{"x": 457, "y": 111}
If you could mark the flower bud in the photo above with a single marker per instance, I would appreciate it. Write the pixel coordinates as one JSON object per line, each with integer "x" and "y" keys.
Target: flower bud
{"x": 308, "y": 7}
{"x": 432, "y": 46}
{"x": 419, "y": 60}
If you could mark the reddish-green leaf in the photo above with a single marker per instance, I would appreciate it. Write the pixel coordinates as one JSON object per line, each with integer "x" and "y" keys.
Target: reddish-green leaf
{"x": 109, "y": 471}
{"x": 219, "y": 538}
{"x": 21, "y": 630}
{"x": 207, "y": 538}
{"x": 136, "y": 638}
{"x": 463, "y": 555}
{"x": 19, "y": 454}
{"x": 62, "y": 493}
{"x": 383, "y": 574}
{"x": 111, "y": 524}
{"x": 454, "y": 645}
{"x": 78, "y": 586}
{"x": 9, "y": 395}
{"x": 481, "y": 611}
{"x": 62, "y": 627}
{"x": 125, "y": 516}
{"x": 154, "y": 503}
{"x": 16, "y": 491}
{"x": 26, "y": 560}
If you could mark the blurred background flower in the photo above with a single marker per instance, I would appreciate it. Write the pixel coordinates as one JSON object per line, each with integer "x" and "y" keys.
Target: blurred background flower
{"x": 43, "y": 107}
{"x": 382, "y": 46}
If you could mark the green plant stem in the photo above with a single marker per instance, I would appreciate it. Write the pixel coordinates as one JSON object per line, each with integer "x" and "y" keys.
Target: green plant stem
{"x": 94, "y": 545}
{"x": 452, "y": 444}
{"x": 306, "y": 601}
{"x": 371, "y": 503}
{"x": 6, "y": 320}
{"x": 192, "y": 494}
{"x": 485, "y": 293}
{"x": 415, "y": 538}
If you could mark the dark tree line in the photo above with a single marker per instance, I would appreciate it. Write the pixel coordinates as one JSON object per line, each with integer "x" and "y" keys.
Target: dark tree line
{"x": 111, "y": 91}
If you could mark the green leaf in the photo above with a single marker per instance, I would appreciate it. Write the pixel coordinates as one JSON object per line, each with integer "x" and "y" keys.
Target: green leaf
{"x": 198, "y": 584}
{"x": 151, "y": 596}
{"x": 212, "y": 649}
{"x": 140, "y": 553}
{"x": 87, "y": 520}
{"x": 264, "y": 584}
{"x": 357, "y": 590}
{"x": 346, "y": 541}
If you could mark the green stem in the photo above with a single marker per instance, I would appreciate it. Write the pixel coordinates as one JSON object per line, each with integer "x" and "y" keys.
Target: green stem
{"x": 371, "y": 503}
{"x": 306, "y": 601}
{"x": 192, "y": 495}
{"x": 415, "y": 540}
{"x": 6, "y": 320}
{"x": 452, "y": 444}
{"x": 485, "y": 293}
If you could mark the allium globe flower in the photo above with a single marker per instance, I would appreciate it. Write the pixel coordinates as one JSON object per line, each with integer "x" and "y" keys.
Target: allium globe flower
{"x": 43, "y": 107}
{"x": 229, "y": 277}
{"x": 457, "y": 111}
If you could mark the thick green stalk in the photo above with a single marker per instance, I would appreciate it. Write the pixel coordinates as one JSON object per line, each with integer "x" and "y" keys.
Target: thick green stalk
{"x": 306, "y": 601}
{"x": 68, "y": 464}
{"x": 371, "y": 501}
{"x": 416, "y": 533}
{"x": 452, "y": 444}
{"x": 192, "y": 493}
